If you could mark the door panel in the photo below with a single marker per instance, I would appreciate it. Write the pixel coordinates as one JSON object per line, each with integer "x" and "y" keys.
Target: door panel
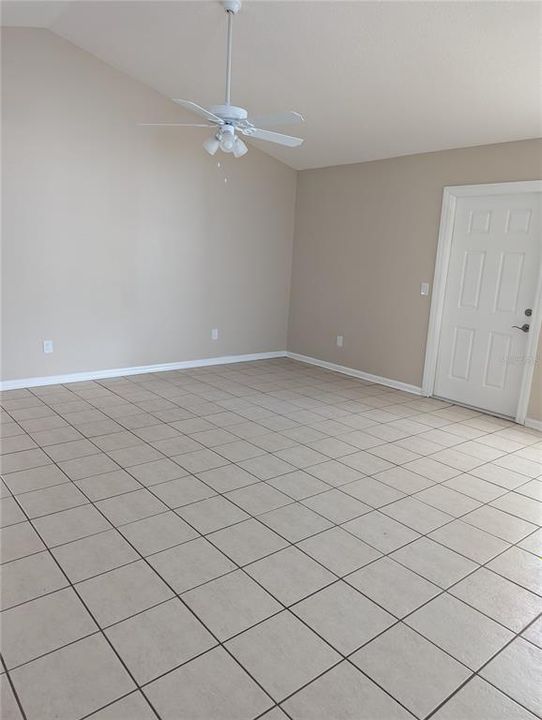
{"x": 492, "y": 277}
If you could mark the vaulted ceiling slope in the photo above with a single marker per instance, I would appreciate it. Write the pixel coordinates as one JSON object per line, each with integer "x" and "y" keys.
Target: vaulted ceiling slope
{"x": 373, "y": 79}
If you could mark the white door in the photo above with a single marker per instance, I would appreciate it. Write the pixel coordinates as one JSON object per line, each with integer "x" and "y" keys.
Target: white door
{"x": 490, "y": 288}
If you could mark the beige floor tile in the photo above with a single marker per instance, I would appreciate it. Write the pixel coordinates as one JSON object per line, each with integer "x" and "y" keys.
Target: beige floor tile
{"x": 421, "y": 675}
{"x": 42, "y": 625}
{"x": 29, "y": 578}
{"x": 259, "y": 498}
{"x": 157, "y": 533}
{"x": 247, "y": 541}
{"x": 190, "y": 564}
{"x": 23, "y": 460}
{"x": 534, "y": 633}
{"x": 51, "y": 500}
{"x": 499, "y": 476}
{"x": 290, "y": 575}
{"x": 479, "y": 699}
{"x": 432, "y": 469}
{"x": 404, "y": 480}
{"x": 131, "y": 506}
{"x": 212, "y": 514}
{"x": 366, "y": 463}
{"x": 157, "y": 471}
{"x": 339, "y": 551}
{"x": 89, "y": 668}
{"x": 434, "y": 562}
{"x": 474, "y": 487}
{"x": 210, "y": 686}
{"x": 334, "y": 473}
{"x": 521, "y": 567}
{"x": 499, "y": 523}
{"x": 336, "y": 506}
{"x": 469, "y": 636}
{"x": 343, "y": 616}
{"x": 231, "y": 604}
{"x": 84, "y": 467}
{"x": 18, "y": 541}
{"x": 170, "y": 447}
{"x": 133, "y": 706}
{"x": 298, "y": 485}
{"x": 504, "y": 601}
{"x": 69, "y": 525}
{"x": 448, "y": 500}
{"x": 295, "y": 522}
{"x": 267, "y": 466}
{"x": 372, "y": 492}
{"x": 8, "y": 703}
{"x": 10, "y": 512}
{"x": 229, "y": 477}
{"x": 106, "y": 485}
{"x": 381, "y": 531}
{"x": 523, "y": 507}
{"x": 282, "y": 654}
{"x": 159, "y": 639}
{"x": 345, "y": 693}
{"x": 117, "y": 594}
{"x": 469, "y": 541}
{"x": 93, "y": 555}
{"x": 24, "y": 481}
{"x": 417, "y": 515}
{"x": 516, "y": 671}
{"x": 182, "y": 491}
{"x": 393, "y": 586}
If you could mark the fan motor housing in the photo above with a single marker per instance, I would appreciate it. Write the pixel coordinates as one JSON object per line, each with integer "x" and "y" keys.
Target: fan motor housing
{"x": 229, "y": 112}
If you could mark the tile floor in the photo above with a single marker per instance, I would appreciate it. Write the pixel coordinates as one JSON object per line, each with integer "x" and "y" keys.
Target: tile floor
{"x": 269, "y": 540}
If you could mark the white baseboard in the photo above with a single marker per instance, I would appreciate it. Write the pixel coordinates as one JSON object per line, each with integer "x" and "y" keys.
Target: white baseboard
{"x": 138, "y": 370}
{"x": 534, "y": 424}
{"x": 395, "y": 384}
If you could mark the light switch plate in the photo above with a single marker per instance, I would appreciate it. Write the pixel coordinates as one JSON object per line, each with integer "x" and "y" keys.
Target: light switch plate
{"x": 424, "y": 288}
{"x": 340, "y": 340}
{"x": 48, "y": 346}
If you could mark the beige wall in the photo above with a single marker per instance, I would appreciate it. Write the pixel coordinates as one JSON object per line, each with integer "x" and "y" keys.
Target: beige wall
{"x": 123, "y": 244}
{"x": 535, "y": 404}
{"x": 366, "y": 236}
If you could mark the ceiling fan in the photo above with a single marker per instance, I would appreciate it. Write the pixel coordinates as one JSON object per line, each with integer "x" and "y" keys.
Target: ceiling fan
{"x": 229, "y": 120}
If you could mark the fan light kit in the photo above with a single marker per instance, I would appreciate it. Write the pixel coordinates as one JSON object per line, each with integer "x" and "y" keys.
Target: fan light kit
{"x": 230, "y": 120}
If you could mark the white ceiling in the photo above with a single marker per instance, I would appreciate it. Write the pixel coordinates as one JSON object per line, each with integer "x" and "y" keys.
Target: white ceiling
{"x": 373, "y": 79}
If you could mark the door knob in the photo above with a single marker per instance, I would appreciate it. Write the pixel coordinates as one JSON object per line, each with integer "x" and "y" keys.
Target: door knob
{"x": 524, "y": 328}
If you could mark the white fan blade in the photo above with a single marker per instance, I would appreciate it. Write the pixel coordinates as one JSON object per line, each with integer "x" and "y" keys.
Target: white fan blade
{"x": 281, "y": 118}
{"x": 199, "y": 110}
{"x": 168, "y": 124}
{"x": 270, "y": 136}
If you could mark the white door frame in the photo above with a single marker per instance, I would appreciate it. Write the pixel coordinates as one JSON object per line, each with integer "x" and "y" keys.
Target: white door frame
{"x": 447, "y": 220}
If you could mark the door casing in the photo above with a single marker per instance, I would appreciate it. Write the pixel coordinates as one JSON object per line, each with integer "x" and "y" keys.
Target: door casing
{"x": 447, "y": 219}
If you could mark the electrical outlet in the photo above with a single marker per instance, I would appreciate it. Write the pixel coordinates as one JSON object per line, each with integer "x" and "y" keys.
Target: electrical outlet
{"x": 340, "y": 340}
{"x": 424, "y": 288}
{"x": 214, "y": 334}
{"x": 48, "y": 346}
